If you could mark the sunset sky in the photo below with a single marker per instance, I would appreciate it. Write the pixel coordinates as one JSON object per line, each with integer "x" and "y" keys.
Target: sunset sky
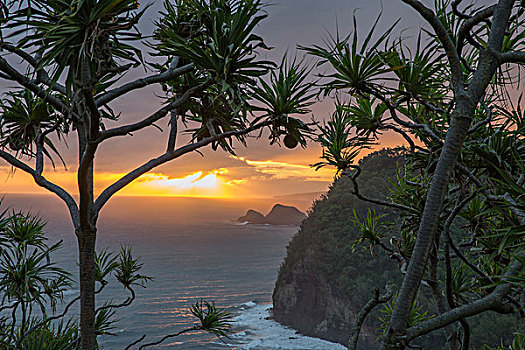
{"x": 257, "y": 171}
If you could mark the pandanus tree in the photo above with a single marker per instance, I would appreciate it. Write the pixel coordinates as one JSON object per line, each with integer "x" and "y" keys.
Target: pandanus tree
{"x": 74, "y": 58}
{"x": 33, "y": 287}
{"x": 452, "y": 92}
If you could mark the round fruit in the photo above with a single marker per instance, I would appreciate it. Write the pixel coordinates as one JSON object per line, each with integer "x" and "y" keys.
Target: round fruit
{"x": 290, "y": 141}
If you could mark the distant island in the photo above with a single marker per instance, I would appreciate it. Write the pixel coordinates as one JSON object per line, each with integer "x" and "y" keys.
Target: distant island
{"x": 279, "y": 215}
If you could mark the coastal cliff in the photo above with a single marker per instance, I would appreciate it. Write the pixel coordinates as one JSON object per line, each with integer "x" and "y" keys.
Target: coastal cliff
{"x": 325, "y": 279}
{"x": 323, "y": 282}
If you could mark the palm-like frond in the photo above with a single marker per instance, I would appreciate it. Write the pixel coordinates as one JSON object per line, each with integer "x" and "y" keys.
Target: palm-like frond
{"x": 105, "y": 264}
{"x": 340, "y": 148}
{"x": 420, "y": 72}
{"x": 365, "y": 115}
{"x": 64, "y": 31}
{"x": 59, "y": 336}
{"x": 357, "y": 69}
{"x": 26, "y": 272}
{"x": 128, "y": 268}
{"x": 371, "y": 229}
{"x": 23, "y": 117}
{"x": 212, "y": 319}
{"x": 287, "y": 94}
{"x": 217, "y": 36}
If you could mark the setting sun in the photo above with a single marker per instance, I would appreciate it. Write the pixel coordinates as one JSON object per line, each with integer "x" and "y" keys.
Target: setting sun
{"x": 198, "y": 184}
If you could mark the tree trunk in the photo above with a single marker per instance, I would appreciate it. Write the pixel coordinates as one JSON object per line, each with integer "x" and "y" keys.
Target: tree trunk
{"x": 430, "y": 219}
{"x": 86, "y": 245}
{"x": 466, "y": 103}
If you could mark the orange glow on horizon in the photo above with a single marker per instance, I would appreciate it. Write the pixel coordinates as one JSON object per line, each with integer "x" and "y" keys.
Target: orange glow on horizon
{"x": 197, "y": 184}
{"x": 247, "y": 179}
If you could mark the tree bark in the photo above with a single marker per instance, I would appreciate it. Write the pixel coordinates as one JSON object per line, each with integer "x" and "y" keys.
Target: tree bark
{"x": 430, "y": 219}
{"x": 86, "y": 244}
{"x": 86, "y": 236}
{"x": 466, "y": 102}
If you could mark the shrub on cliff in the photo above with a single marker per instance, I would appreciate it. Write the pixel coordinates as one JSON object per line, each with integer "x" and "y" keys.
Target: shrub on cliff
{"x": 327, "y": 240}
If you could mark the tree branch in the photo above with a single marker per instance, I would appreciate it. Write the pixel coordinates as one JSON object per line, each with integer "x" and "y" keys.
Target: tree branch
{"x": 471, "y": 22}
{"x": 446, "y": 41}
{"x": 510, "y": 57}
{"x": 194, "y": 328}
{"x": 161, "y": 113}
{"x": 353, "y": 178}
{"x": 409, "y": 125}
{"x": 135, "y": 342}
{"x": 143, "y": 82}
{"x": 489, "y": 302}
{"x": 41, "y": 74}
{"x": 166, "y": 157}
{"x": 367, "y": 308}
{"x": 125, "y": 303}
{"x": 404, "y": 134}
{"x": 32, "y": 86}
{"x": 42, "y": 182}
{"x": 487, "y": 63}
{"x": 172, "y": 138}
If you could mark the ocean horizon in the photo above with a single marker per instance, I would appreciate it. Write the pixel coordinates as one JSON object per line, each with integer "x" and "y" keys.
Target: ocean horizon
{"x": 194, "y": 250}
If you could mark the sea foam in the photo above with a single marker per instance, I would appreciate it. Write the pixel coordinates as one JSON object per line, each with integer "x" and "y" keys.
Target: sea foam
{"x": 264, "y": 333}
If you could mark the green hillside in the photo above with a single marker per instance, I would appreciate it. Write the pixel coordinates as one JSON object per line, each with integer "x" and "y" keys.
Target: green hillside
{"x": 326, "y": 278}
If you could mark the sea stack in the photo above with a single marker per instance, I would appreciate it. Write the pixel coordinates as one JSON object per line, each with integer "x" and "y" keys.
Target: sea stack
{"x": 252, "y": 217}
{"x": 279, "y": 215}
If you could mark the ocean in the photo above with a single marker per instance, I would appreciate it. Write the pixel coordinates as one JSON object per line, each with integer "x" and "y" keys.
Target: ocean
{"x": 194, "y": 250}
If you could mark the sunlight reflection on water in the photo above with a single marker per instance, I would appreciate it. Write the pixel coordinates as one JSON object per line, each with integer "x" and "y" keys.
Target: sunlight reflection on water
{"x": 214, "y": 260}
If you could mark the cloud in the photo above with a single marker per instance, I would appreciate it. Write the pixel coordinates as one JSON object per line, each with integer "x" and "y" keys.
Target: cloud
{"x": 282, "y": 170}
{"x": 196, "y": 184}
{"x": 242, "y": 177}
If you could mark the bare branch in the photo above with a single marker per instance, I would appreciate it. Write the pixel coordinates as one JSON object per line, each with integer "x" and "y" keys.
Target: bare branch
{"x": 369, "y": 306}
{"x": 125, "y": 303}
{"x": 194, "y": 328}
{"x": 41, "y": 74}
{"x": 143, "y": 82}
{"x": 456, "y": 11}
{"x": 487, "y": 64}
{"x": 409, "y": 125}
{"x": 39, "y": 166}
{"x": 166, "y": 157}
{"x": 135, "y": 342}
{"x": 446, "y": 41}
{"x": 94, "y": 114}
{"x": 19, "y": 52}
{"x": 161, "y": 113}
{"x": 353, "y": 178}
{"x": 492, "y": 301}
{"x": 510, "y": 57}
{"x": 471, "y": 22}
{"x": 32, "y": 85}
{"x": 402, "y": 133}
{"x": 172, "y": 138}
{"x": 43, "y": 182}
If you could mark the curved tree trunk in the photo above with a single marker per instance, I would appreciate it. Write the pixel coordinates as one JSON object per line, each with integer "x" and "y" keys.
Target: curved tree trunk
{"x": 466, "y": 102}
{"x": 86, "y": 246}
{"x": 430, "y": 219}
